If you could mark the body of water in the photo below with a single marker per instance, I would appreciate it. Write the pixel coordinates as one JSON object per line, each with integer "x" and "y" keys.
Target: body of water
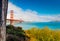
{"x": 50, "y": 25}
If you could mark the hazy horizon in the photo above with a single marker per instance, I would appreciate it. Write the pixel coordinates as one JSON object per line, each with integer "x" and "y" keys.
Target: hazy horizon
{"x": 35, "y": 10}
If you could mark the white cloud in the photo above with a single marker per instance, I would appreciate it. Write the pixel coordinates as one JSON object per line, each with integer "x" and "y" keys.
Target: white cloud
{"x": 29, "y": 15}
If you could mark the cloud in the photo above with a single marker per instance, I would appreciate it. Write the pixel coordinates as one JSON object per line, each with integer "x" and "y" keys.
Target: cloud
{"x": 29, "y": 15}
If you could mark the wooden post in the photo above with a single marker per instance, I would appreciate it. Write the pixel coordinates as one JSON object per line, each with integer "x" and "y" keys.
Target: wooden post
{"x": 3, "y": 14}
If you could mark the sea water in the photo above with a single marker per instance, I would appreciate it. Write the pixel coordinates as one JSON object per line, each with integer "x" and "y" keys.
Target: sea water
{"x": 29, "y": 25}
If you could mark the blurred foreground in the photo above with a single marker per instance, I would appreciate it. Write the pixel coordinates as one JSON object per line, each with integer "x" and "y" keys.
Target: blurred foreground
{"x": 34, "y": 34}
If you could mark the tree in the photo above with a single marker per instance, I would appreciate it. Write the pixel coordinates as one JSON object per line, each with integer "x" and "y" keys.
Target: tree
{"x": 3, "y": 14}
{"x": 16, "y": 34}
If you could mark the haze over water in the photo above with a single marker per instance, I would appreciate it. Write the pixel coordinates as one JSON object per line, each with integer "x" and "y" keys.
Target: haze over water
{"x": 29, "y": 25}
{"x": 42, "y": 11}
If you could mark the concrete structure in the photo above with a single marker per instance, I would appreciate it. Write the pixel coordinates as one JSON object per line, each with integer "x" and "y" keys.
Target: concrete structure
{"x": 3, "y": 14}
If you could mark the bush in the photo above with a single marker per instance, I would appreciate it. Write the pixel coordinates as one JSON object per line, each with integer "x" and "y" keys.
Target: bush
{"x": 44, "y": 34}
{"x": 15, "y": 34}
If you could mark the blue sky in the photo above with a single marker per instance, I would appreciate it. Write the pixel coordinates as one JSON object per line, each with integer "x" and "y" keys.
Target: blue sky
{"x": 41, "y": 6}
{"x": 35, "y": 10}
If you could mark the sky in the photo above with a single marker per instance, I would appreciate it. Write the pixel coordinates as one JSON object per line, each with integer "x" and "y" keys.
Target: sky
{"x": 35, "y": 10}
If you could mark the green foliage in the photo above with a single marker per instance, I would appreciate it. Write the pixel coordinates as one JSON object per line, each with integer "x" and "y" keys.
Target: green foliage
{"x": 14, "y": 30}
{"x": 15, "y": 33}
{"x": 34, "y": 34}
{"x": 43, "y": 34}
